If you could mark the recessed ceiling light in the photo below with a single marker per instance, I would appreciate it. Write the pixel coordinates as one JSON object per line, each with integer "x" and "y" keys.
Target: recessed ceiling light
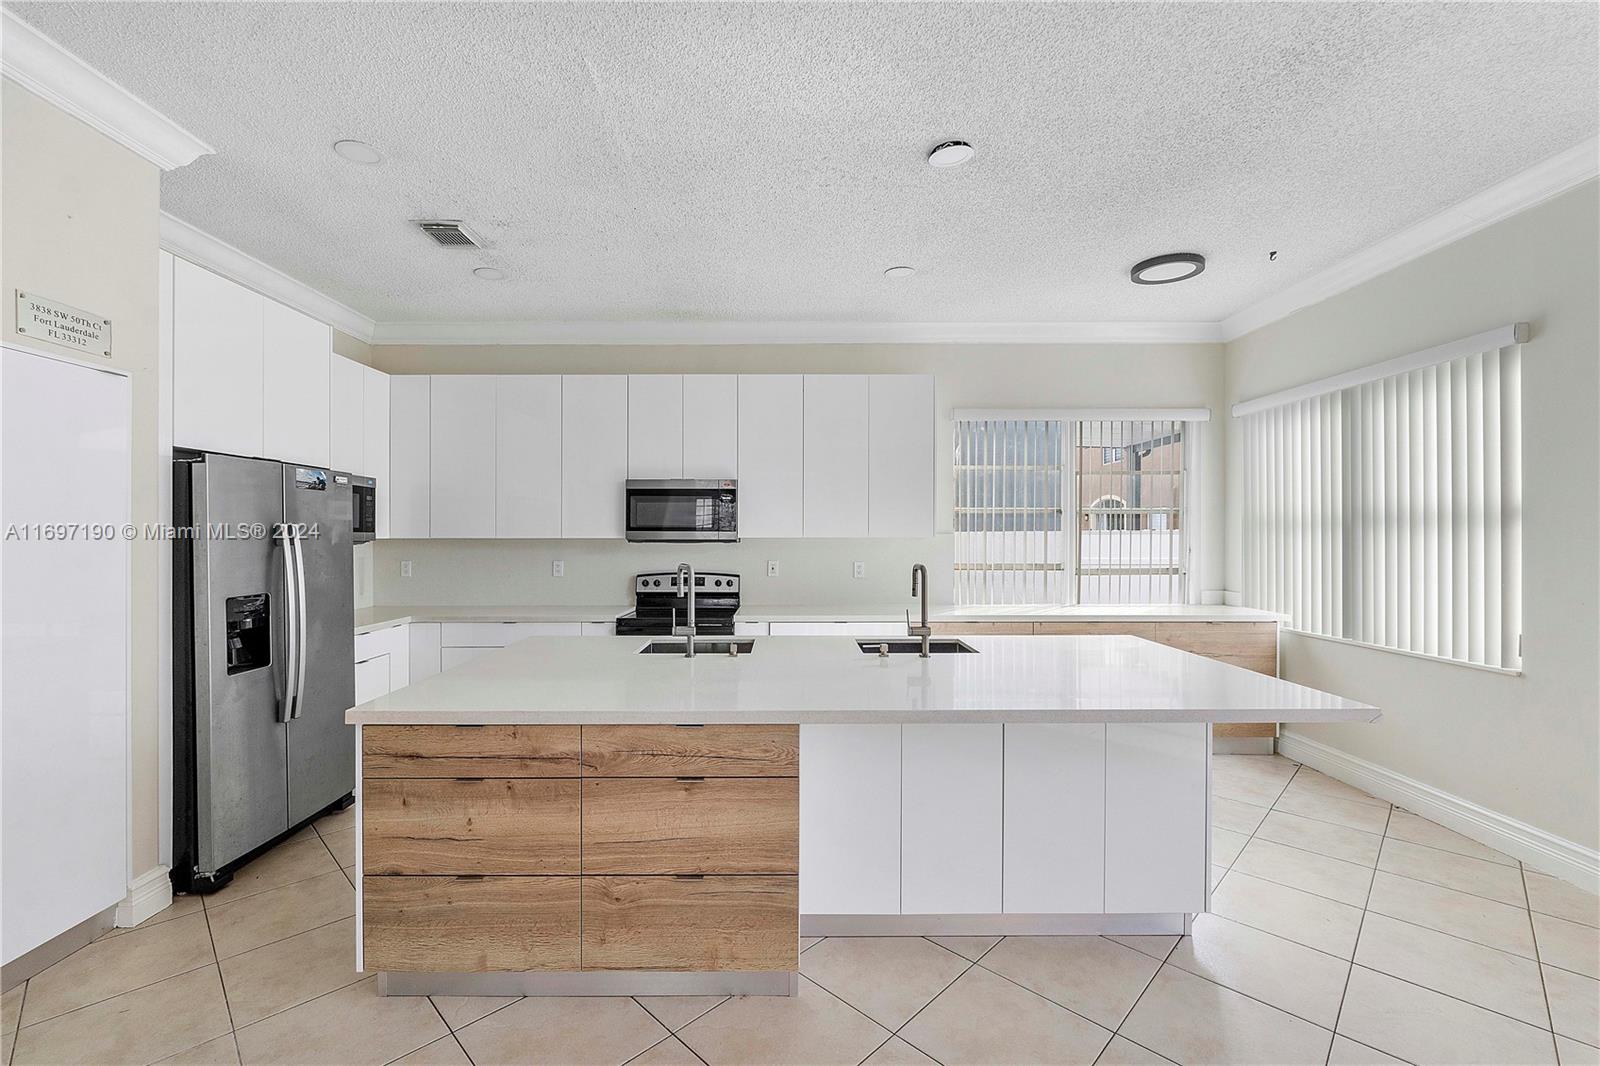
{"x": 951, "y": 154}
{"x": 489, "y": 273}
{"x": 357, "y": 151}
{"x": 1165, "y": 269}
{"x": 899, "y": 272}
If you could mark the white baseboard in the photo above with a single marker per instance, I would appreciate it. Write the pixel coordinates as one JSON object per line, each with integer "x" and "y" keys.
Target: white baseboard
{"x": 149, "y": 894}
{"x": 1546, "y": 852}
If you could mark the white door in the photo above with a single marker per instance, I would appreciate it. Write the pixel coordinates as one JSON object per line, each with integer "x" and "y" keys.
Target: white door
{"x": 950, "y": 811}
{"x": 655, "y": 425}
{"x": 216, "y": 363}
{"x": 294, "y": 387}
{"x": 836, "y": 455}
{"x": 347, "y": 415}
{"x": 710, "y": 425}
{"x": 528, "y": 456}
{"x": 375, "y": 438}
{"x": 771, "y": 435}
{"x": 900, "y": 472}
{"x": 461, "y": 484}
{"x": 1055, "y": 826}
{"x": 1156, "y": 818}
{"x": 424, "y": 640}
{"x": 850, "y": 819}
{"x": 409, "y": 457}
{"x": 594, "y": 454}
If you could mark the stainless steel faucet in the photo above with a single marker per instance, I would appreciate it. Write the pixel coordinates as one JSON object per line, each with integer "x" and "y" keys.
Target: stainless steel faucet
{"x": 686, "y": 585}
{"x": 919, "y": 584}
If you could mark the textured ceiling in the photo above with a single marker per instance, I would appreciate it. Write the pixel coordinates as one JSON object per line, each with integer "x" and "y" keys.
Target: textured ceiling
{"x": 764, "y": 161}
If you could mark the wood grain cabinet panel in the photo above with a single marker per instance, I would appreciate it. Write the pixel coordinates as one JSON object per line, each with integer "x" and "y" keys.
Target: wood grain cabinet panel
{"x": 707, "y": 923}
{"x": 471, "y": 924}
{"x": 982, "y": 629}
{"x": 1147, "y": 630}
{"x": 469, "y": 751}
{"x": 691, "y": 751}
{"x": 691, "y": 826}
{"x": 493, "y": 826}
{"x": 1252, "y": 645}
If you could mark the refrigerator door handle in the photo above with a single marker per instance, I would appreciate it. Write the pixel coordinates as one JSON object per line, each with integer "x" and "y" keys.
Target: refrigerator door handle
{"x": 291, "y": 626}
{"x": 301, "y": 623}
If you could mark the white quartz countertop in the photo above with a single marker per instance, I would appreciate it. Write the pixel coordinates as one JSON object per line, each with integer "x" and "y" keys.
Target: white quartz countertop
{"x": 816, "y": 680}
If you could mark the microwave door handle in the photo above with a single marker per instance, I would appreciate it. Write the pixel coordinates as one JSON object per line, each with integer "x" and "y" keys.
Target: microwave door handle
{"x": 300, "y": 624}
{"x": 286, "y": 614}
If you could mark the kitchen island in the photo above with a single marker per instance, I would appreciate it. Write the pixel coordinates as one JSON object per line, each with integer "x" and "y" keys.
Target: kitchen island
{"x": 569, "y": 816}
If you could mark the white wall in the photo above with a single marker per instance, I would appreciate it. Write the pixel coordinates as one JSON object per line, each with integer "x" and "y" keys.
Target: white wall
{"x": 1529, "y": 746}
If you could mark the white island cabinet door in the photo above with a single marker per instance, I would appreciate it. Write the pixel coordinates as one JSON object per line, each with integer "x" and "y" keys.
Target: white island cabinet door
{"x": 655, "y": 425}
{"x": 1156, "y": 818}
{"x": 216, "y": 363}
{"x": 375, "y": 438}
{"x": 594, "y": 454}
{"x": 408, "y": 455}
{"x": 849, "y": 819}
{"x": 901, "y": 455}
{"x": 711, "y": 425}
{"x": 771, "y": 454}
{"x": 528, "y": 456}
{"x": 347, "y": 415}
{"x": 951, "y": 797}
{"x": 1055, "y": 818}
{"x": 295, "y": 349}
{"x": 462, "y": 460}
{"x": 836, "y": 455}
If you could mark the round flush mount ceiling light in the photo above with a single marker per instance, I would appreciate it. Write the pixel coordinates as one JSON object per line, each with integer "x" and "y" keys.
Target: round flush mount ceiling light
{"x": 489, "y": 273}
{"x": 357, "y": 152}
{"x": 899, "y": 272}
{"x": 951, "y": 154}
{"x": 1165, "y": 269}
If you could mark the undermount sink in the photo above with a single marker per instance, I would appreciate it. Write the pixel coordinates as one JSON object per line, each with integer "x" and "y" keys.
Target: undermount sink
{"x": 902, "y": 646}
{"x": 701, "y": 647}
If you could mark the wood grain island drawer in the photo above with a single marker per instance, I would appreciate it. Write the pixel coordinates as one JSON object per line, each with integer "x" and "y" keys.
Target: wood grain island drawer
{"x": 469, "y": 751}
{"x": 695, "y": 826}
{"x": 1252, "y": 645}
{"x": 494, "y": 826}
{"x": 691, "y": 751}
{"x": 708, "y": 923}
{"x": 471, "y": 924}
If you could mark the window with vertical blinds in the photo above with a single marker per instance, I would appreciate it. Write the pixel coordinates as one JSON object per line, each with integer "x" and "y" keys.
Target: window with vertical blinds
{"x": 1389, "y": 511}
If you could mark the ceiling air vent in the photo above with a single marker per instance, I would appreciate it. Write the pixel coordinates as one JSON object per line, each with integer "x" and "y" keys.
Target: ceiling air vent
{"x": 448, "y": 232}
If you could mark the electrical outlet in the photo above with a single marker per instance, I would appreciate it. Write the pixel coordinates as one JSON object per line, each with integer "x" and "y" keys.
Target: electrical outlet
{"x": 772, "y": 568}
{"x": 558, "y": 569}
{"x": 405, "y": 568}
{"x": 860, "y": 570}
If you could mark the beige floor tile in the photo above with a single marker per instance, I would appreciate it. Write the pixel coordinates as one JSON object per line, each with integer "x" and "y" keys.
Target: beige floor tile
{"x": 1347, "y": 1052}
{"x": 807, "y": 942}
{"x": 140, "y": 1026}
{"x": 887, "y": 978}
{"x": 349, "y": 1027}
{"x": 7, "y": 1042}
{"x": 1124, "y": 1052}
{"x": 1574, "y": 1004}
{"x": 1289, "y": 976}
{"x": 1346, "y": 812}
{"x": 1420, "y": 1025}
{"x": 280, "y": 912}
{"x": 1460, "y": 872}
{"x": 812, "y": 1027}
{"x": 670, "y": 1052}
{"x": 1494, "y": 979}
{"x": 1418, "y": 830}
{"x": 1189, "y": 1019}
{"x": 277, "y": 976}
{"x": 109, "y": 968}
{"x": 1568, "y": 945}
{"x": 1226, "y": 845}
{"x": 178, "y": 908}
{"x": 563, "y": 1031}
{"x": 338, "y": 820}
{"x": 983, "y": 1018}
{"x": 1090, "y": 975}
{"x": 442, "y": 1052}
{"x": 1499, "y": 925}
{"x": 11, "y": 1007}
{"x": 1311, "y": 781}
{"x": 1157, "y": 947}
{"x": 1235, "y": 816}
{"x": 1551, "y": 895}
{"x": 896, "y": 1052}
{"x": 1260, "y": 767}
{"x": 968, "y": 947}
{"x": 223, "y": 1051}
{"x": 1256, "y": 791}
{"x": 1315, "y": 921}
{"x": 675, "y": 1012}
{"x": 1324, "y": 838}
{"x": 342, "y": 844}
{"x": 1321, "y": 875}
{"x": 284, "y": 864}
{"x": 460, "y": 1011}
{"x": 1217, "y": 874}
{"x": 1576, "y": 1053}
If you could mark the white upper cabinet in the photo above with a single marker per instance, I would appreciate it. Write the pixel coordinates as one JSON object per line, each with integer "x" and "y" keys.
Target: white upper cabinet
{"x": 710, "y": 425}
{"x": 900, "y": 451}
{"x": 771, "y": 447}
{"x": 655, "y": 425}
{"x": 528, "y": 456}
{"x": 374, "y": 437}
{"x": 294, "y": 385}
{"x": 836, "y": 455}
{"x": 409, "y": 457}
{"x": 216, "y": 363}
{"x": 594, "y": 454}
{"x": 347, "y": 415}
{"x": 461, "y": 451}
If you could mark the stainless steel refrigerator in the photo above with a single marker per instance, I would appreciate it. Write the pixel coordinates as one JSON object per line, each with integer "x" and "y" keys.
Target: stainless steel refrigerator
{"x": 263, "y": 657}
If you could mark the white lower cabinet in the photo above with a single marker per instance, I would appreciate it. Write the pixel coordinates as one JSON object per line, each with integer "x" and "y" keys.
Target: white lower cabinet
{"x": 750, "y": 629}
{"x": 383, "y": 661}
{"x": 850, "y": 819}
{"x": 461, "y": 642}
{"x": 1156, "y": 829}
{"x": 599, "y": 629}
{"x": 1055, "y": 803}
{"x": 424, "y": 641}
{"x": 372, "y": 678}
{"x": 950, "y": 810}
{"x": 452, "y": 657}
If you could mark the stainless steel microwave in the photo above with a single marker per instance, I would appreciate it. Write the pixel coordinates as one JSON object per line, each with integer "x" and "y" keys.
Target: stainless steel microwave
{"x": 682, "y": 509}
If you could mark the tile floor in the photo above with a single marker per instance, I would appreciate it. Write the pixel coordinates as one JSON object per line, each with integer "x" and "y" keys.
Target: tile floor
{"x": 1344, "y": 932}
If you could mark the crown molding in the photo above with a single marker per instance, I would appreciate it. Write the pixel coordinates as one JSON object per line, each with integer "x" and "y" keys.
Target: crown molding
{"x": 795, "y": 332}
{"x": 202, "y": 249}
{"x": 48, "y": 70}
{"x": 1533, "y": 186}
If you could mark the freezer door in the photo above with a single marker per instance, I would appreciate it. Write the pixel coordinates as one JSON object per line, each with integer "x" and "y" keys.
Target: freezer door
{"x": 322, "y": 749}
{"x": 240, "y": 743}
